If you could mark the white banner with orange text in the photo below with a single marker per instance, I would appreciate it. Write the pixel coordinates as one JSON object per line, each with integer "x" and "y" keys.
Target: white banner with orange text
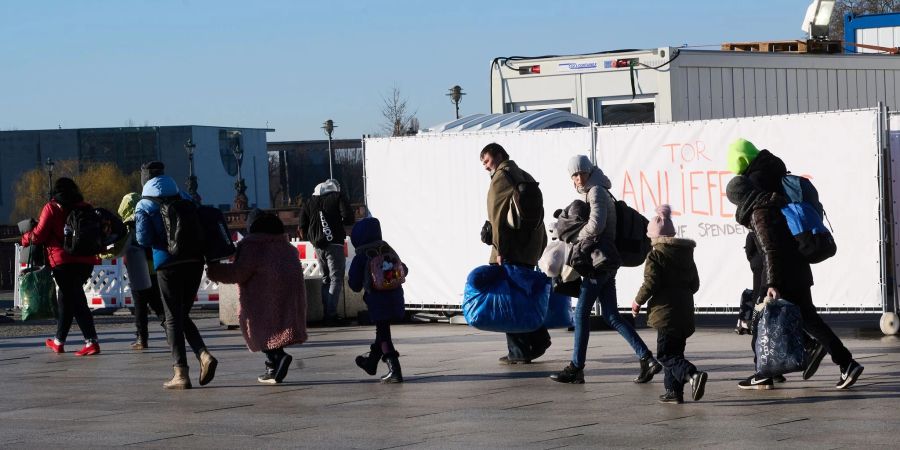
{"x": 684, "y": 164}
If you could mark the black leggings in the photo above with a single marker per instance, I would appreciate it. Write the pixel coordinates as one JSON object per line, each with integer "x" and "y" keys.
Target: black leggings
{"x": 383, "y": 337}
{"x": 70, "y": 279}
{"x": 178, "y": 287}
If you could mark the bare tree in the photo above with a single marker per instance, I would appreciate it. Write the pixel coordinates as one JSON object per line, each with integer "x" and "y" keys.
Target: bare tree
{"x": 857, "y": 7}
{"x": 398, "y": 121}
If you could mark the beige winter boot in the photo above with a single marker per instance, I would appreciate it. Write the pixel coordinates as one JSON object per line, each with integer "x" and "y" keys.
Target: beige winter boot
{"x": 181, "y": 380}
{"x": 207, "y": 367}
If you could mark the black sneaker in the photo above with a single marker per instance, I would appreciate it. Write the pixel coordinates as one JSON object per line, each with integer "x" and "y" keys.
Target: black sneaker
{"x": 754, "y": 382}
{"x": 850, "y": 375}
{"x": 698, "y": 385}
{"x": 507, "y": 361}
{"x": 671, "y": 397}
{"x": 779, "y": 379}
{"x": 815, "y": 357}
{"x": 281, "y": 369}
{"x": 269, "y": 376}
{"x": 570, "y": 374}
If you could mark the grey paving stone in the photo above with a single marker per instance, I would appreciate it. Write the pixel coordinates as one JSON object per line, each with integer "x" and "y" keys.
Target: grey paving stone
{"x": 456, "y": 395}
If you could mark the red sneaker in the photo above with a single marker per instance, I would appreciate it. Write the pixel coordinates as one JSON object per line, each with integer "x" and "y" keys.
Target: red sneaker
{"x": 53, "y": 346}
{"x": 91, "y": 348}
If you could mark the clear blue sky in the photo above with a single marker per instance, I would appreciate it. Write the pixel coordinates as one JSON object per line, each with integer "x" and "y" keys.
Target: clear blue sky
{"x": 294, "y": 64}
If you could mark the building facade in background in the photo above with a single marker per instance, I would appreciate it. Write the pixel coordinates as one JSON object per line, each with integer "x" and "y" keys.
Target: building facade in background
{"x": 215, "y": 164}
{"x": 296, "y": 167}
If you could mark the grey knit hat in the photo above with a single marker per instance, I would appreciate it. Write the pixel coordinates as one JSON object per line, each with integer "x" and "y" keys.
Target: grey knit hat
{"x": 580, "y": 163}
{"x": 738, "y": 189}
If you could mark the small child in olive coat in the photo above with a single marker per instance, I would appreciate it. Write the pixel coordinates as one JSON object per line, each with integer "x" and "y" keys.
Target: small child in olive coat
{"x": 670, "y": 282}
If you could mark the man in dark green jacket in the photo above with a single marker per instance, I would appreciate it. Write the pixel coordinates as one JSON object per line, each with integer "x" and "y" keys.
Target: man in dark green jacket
{"x": 521, "y": 247}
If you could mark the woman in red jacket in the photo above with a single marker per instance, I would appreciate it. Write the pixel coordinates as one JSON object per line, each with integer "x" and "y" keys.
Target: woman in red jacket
{"x": 69, "y": 271}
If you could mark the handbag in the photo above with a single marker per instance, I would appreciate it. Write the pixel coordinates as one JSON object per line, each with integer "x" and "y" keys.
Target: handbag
{"x": 780, "y": 339}
{"x": 38, "y": 292}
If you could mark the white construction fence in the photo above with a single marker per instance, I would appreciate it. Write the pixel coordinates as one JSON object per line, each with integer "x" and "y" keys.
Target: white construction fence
{"x": 108, "y": 288}
{"x": 434, "y": 226}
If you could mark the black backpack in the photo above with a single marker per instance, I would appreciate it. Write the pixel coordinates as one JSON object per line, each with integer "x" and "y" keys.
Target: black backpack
{"x": 320, "y": 233}
{"x": 218, "y": 244}
{"x": 83, "y": 232}
{"x": 111, "y": 226}
{"x": 181, "y": 220}
{"x": 526, "y": 206}
{"x": 631, "y": 234}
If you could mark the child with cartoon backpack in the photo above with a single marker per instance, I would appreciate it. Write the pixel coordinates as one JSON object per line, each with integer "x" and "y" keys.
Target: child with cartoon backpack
{"x": 670, "y": 282}
{"x": 378, "y": 271}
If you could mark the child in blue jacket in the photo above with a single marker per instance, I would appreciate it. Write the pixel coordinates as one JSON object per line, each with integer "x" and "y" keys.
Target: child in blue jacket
{"x": 384, "y": 304}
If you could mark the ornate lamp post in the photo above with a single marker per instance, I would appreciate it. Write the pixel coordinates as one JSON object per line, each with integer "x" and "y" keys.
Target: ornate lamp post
{"x": 189, "y": 147}
{"x": 329, "y": 127}
{"x": 455, "y": 95}
{"x": 240, "y": 200}
{"x": 50, "y": 165}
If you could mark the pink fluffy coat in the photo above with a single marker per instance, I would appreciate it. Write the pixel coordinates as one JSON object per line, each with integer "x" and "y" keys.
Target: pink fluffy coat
{"x": 271, "y": 291}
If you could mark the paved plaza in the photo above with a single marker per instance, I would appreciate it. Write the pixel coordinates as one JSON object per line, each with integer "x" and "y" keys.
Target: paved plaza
{"x": 455, "y": 396}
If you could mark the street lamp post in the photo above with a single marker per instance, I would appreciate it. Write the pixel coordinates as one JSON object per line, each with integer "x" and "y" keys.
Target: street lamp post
{"x": 50, "y": 165}
{"x": 189, "y": 147}
{"x": 240, "y": 200}
{"x": 455, "y": 95}
{"x": 329, "y": 127}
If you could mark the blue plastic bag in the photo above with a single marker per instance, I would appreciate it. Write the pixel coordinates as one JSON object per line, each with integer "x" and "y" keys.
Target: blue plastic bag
{"x": 780, "y": 339}
{"x": 506, "y": 298}
{"x": 559, "y": 311}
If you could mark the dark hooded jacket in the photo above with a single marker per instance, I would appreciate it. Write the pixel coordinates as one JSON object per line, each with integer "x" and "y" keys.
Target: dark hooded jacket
{"x": 760, "y": 211}
{"x": 331, "y": 202}
{"x": 382, "y": 305}
{"x": 766, "y": 172}
{"x": 670, "y": 282}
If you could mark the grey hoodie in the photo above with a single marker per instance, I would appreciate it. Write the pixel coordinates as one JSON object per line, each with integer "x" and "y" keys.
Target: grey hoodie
{"x": 602, "y": 221}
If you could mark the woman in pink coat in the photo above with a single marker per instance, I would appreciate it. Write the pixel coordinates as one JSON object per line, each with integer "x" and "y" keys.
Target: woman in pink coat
{"x": 271, "y": 292}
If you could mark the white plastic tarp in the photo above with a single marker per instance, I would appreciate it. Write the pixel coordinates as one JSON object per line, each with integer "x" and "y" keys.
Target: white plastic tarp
{"x": 684, "y": 164}
{"x": 430, "y": 194}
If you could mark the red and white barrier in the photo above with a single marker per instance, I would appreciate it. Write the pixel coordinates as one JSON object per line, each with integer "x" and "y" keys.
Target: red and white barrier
{"x": 108, "y": 285}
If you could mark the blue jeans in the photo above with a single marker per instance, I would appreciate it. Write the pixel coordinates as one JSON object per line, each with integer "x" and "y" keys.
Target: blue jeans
{"x": 333, "y": 263}
{"x": 602, "y": 289}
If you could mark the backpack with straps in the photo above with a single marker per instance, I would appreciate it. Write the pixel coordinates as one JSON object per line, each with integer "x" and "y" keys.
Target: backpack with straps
{"x": 385, "y": 271}
{"x": 83, "y": 232}
{"x": 526, "y": 206}
{"x": 320, "y": 232}
{"x": 804, "y": 215}
{"x": 631, "y": 234}
{"x": 181, "y": 221}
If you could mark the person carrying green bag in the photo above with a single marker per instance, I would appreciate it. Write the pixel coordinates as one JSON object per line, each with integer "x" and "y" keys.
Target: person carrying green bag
{"x": 70, "y": 271}
{"x": 37, "y": 291}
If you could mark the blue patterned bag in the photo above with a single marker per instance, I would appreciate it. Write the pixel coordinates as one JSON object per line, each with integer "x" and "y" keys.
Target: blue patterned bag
{"x": 780, "y": 339}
